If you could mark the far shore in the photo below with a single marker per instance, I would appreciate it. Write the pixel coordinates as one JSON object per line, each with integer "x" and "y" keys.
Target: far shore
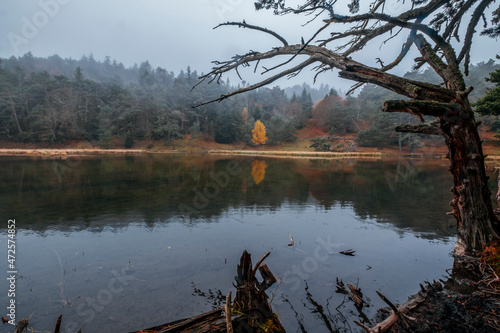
{"x": 68, "y": 152}
{"x": 63, "y": 153}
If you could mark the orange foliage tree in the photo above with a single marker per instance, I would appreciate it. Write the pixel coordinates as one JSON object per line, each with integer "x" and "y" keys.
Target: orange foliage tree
{"x": 259, "y": 133}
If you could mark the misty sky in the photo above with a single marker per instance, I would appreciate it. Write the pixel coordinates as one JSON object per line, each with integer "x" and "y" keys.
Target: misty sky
{"x": 170, "y": 34}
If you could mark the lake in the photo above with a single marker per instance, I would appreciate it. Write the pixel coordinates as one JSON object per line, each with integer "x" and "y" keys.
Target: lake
{"x": 116, "y": 244}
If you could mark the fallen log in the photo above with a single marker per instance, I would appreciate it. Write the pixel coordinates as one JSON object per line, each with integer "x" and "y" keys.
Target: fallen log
{"x": 463, "y": 303}
{"x": 250, "y": 312}
{"x": 399, "y": 313}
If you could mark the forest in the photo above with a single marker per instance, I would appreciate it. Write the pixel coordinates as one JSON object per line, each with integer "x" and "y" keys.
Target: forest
{"x": 56, "y": 100}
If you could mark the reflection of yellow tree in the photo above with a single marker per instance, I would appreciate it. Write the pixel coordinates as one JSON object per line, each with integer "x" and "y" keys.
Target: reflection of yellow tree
{"x": 258, "y": 171}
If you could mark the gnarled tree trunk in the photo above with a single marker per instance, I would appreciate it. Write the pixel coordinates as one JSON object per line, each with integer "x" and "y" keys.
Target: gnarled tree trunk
{"x": 472, "y": 204}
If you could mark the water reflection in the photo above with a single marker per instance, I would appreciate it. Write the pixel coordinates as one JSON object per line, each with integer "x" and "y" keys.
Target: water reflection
{"x": 258, "y": 171}
{"x": 110, "y": 241}
{"x": 406, "y": 194}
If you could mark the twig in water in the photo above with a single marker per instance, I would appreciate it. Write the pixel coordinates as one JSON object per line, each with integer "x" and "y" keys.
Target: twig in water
{"x": 349, "y": 252}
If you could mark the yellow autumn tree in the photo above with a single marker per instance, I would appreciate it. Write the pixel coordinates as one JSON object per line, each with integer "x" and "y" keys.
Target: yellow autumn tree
{"x": 259, "y": 133}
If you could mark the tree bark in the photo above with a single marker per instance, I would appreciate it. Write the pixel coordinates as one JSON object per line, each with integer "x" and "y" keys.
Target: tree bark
{"x": 477, "y": 223}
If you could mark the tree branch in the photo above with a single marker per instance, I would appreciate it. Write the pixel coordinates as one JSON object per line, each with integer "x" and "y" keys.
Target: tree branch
{"x": 455, "y": 21}
{"x": 349, "y": 69}
{"x": 403, "y": 22}
{"x": 404, "y": 50}
{"x": 428, "y": 108}
{"x": 471, "y": 29}
{"x": 255, "y": 27}
{"x": 301, "y": 49}
{"x": 262, "y": 83}
{"x": 392, "y": 20}
{"x": 410, "y": 88}
{"x": 430, "y": 129}
{"x": 451, "y": 76}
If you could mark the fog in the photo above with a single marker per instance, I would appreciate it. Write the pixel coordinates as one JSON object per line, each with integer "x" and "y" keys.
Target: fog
{"x": 169, "y": 34}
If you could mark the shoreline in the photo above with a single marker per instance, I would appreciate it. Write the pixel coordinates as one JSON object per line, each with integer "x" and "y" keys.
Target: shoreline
{"x": 63, "y": 153}
{"x": 70, "y": 152}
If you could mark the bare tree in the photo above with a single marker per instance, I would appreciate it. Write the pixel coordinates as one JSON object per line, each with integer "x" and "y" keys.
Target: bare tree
{"x": 434, "y": 28}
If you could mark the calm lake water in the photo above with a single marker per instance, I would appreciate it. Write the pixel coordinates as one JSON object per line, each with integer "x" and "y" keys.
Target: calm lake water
{"x": 116, "y": 244}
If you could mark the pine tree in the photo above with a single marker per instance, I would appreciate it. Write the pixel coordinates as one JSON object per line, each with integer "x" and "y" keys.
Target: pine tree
{"x": 307, "y": 103}
{"x": 244, "y": 114}
{"x": 489, "y": 104}
{"x": 259, "y": 134}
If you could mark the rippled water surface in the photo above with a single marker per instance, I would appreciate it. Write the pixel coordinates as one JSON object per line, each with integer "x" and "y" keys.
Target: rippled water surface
{"x": 122, "y": 243}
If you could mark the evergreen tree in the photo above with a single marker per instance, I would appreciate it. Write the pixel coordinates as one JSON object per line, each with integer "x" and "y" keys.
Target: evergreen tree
{"x": 489, "y": 104}
{"x": 307, "y": 104}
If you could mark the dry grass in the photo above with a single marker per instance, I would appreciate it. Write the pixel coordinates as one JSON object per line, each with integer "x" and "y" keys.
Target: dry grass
{"x": 63, "y": 153}
{"x": 298, "y": 153}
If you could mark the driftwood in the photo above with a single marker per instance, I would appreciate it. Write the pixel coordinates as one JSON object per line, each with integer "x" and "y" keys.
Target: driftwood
{"x": 354, "y": 293}
{"x": 400, "y": 313}
{"x": 209, "y": 322}
{"x": 229, "y": 311}
{"x": 22, "y": 325}
{"x": 57, "y": 329}
{"x": 349, "y": 252}
{"x": 356, "y": 296}
{"x": 250, "y": 312}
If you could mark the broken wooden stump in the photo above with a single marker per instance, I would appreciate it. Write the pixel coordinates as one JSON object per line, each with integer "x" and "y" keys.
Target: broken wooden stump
{"x": 250, "y": 311}
{"x": 353, "y": 292}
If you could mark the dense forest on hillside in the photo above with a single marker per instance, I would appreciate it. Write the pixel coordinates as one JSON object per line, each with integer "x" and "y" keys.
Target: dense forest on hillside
{"x": 56, "y": 100}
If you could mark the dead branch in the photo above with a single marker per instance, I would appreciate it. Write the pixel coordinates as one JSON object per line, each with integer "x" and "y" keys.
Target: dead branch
{"x": 267, "y": 276}
{"x": 22, "y": 325}
{"x": 57, "y": 329}
{"x": 398, "y": 313}
{"x": 260, "y": 84}
{"x": 304, "y": 45}
{"x": 453, "y": 79}
{"x": 396, "y": 21}
{"x": 471, "y": 29}
{"x": 454, "y": 24}
{"x": 428, "y": 108}
{"x": 349, "y": 252}
{"x": 228, "y": 310}
{"x": 257, "y": 265}
{"x": 255, "y": 27}
{"x": 350, "y": 69}
{"x": 431, "y": 129}
{"x": 355, "y": 295}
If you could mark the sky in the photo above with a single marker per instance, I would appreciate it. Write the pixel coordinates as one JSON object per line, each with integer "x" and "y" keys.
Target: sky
{"x": 170, "y": 34}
